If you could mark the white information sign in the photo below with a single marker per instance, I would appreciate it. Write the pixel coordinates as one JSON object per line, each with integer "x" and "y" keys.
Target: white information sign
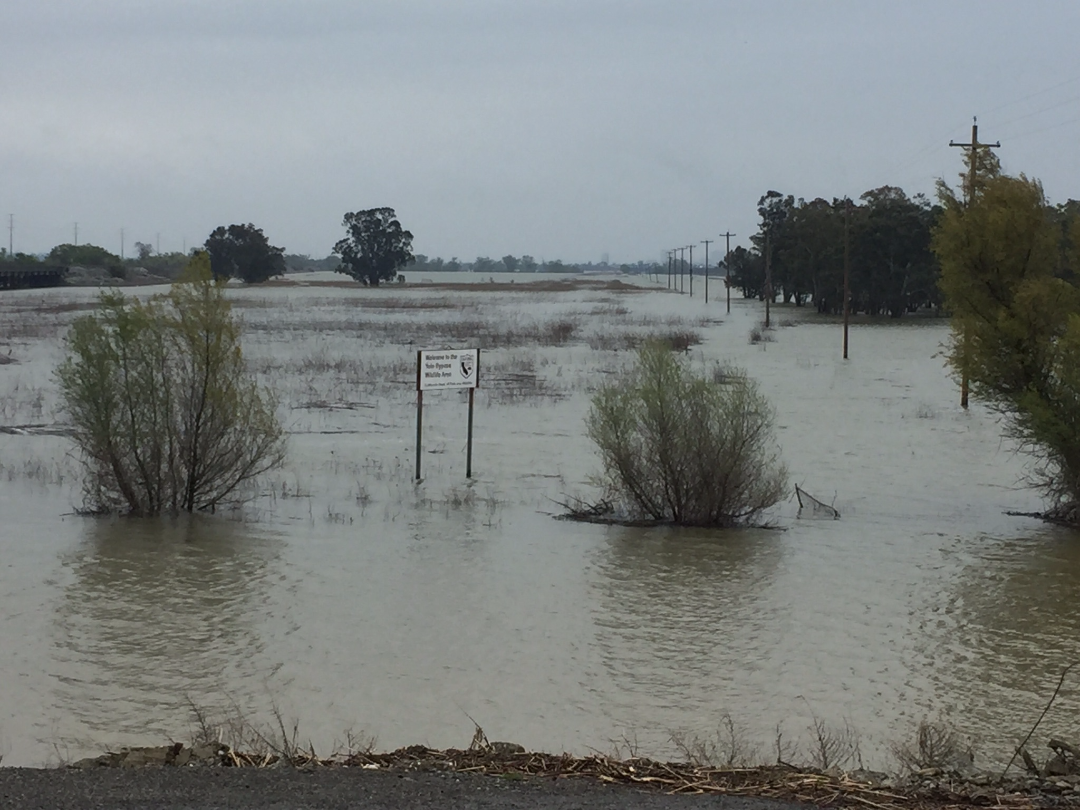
{"x": 447, "y": 368}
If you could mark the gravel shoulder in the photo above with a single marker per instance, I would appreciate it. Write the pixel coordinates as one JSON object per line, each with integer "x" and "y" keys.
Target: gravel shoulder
{"x": 331, "y": 789}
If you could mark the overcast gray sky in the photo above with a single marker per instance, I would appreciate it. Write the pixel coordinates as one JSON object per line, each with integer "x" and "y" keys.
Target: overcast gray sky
{"x": 559, "y": 128}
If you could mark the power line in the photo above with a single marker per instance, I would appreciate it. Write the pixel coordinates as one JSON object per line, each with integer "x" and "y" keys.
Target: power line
{"x": 1038, "y": 112}
{"x": 1022, "y": 99}
{"x": 914, "y": 156}
{"x": 1046, "y": 129}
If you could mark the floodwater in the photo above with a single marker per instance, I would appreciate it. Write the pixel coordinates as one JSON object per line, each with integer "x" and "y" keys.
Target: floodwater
{"x": 354, "y": 600}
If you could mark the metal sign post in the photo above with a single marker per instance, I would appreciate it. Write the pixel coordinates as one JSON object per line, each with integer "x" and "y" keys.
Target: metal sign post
{"x": 440, "y": 370}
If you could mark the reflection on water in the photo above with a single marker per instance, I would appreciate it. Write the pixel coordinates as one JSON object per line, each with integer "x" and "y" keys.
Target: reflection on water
{"x": 156, "y": 611}
{"x": 1005, "y": 631}
{"x": 683, "y": 621}
{"x": 671, "y": 603}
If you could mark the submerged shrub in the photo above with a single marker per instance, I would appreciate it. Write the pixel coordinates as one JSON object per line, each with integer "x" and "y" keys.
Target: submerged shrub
{"x": 165, "y": 415}
{"x": 679, "y": 448}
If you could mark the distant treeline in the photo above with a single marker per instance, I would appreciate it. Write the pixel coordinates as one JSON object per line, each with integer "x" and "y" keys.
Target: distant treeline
{"x": 169, "y": 265}
{"x": 523, "y": 264}
{"x": 481, "y": 264}
{"x": 892, "y": 268}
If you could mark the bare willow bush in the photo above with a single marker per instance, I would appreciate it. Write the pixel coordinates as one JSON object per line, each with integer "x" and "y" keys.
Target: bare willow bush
{"x": 166, "y": 417}
{"x": 679, "y": 448}
{"x": 934, "y": 744}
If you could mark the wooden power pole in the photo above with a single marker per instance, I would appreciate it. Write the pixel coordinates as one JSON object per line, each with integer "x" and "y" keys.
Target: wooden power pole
{"x": 768, "y": 278}
{"x": 727, "y": 267}
{"x": 969, "y": 194}
{"x": 691, "y": 249}
{"x": 707, "y": 242}
{"x": 847, "y": 271}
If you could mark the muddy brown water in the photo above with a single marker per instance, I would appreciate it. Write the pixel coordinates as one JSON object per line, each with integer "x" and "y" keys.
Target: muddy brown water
{"x": 355, "y": 600}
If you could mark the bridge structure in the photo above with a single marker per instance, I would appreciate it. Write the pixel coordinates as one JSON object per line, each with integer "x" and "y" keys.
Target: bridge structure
{"x": 16, "y": 277}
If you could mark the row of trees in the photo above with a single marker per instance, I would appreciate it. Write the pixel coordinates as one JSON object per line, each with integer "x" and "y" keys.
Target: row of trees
{"x": 888, "y": 238}
{"x": 801, "y": 245}
{"x": 527, "y": 264}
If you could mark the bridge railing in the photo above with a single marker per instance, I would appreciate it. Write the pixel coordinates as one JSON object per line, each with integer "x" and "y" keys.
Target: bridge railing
{"x": 27, "y": 277}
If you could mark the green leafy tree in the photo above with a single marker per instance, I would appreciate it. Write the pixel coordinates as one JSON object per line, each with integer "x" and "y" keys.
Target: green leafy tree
{"x": 1016, "y": 324}
{"x": 680, "y": 448}
{"x": 528, "y": 264}
{"x": 485, "y": 264}
{"x": 375, "y": 247}
{"x": 774, "y": 239}
{"x": 86, "y": 256}
{"x": 302, "y": 263}
{"x": 893, "y": 269}
{"x": 747, "y": 272}
{"x": 243, "y": 252}
{"x": 26, "y": 259}
{"x": 164, "y": 413}
{"x": 511, "y": 263}
{"x": 897, "y": 270}
{"x": 814, "y": 254}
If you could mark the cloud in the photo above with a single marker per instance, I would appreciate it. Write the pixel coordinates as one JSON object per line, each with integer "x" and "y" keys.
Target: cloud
{"x": 557, "y": 128}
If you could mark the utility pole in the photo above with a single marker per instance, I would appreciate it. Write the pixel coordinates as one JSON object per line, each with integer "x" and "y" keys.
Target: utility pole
{"x": 727, "y": 266}
{"x": 974, "y": 146}
{"x": 706, "y": 242}
{"x": 691, "y": 249}
{"x": 847, "y": 271}
{"x": 682, "y": 269}
{"x": 669, "y": 258}
{"x": 768, "y": 278}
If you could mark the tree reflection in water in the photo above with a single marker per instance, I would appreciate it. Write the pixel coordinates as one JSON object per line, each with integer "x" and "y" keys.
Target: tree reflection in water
{"x": 685, "y": 617}
{"x": 159, "y": 610}
{"x": 997, "y": 638}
